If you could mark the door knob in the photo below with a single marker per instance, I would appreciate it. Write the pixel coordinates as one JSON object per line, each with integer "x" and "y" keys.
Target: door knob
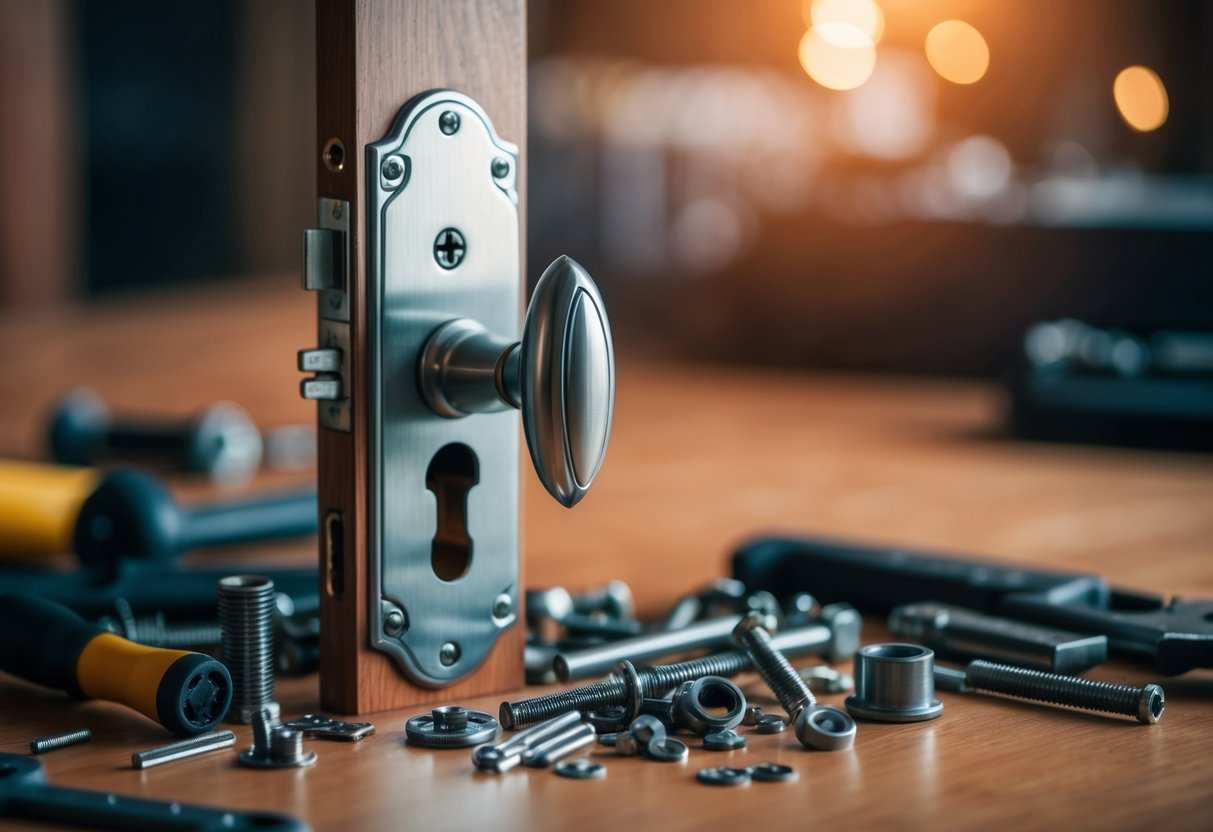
{"x": 561, "y": 376}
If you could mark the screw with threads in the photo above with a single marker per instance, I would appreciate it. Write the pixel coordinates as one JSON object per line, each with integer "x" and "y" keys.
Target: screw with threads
{"x": 656, "y": 680}
{"x": 40, "y": 745}
{"x": 181, "y": 750}
{"x": 246, "y": 617}
{"x": 774, "y": 668}
{"x": 1146, "y": 704}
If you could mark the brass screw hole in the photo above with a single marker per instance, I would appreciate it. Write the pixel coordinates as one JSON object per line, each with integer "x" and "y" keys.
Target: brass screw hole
{"x": 334, "y": 155}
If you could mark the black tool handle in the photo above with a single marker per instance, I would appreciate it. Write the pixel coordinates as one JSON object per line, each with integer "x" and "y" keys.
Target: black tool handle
{"x": 879, "y": 579}
{"x": 293, "y": 514}
{"x": 42, "y": 641}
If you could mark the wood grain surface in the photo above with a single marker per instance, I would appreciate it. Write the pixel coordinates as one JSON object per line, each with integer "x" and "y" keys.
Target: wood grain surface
{"x": 701, "y": 457}
{"x": 372, "y": 57}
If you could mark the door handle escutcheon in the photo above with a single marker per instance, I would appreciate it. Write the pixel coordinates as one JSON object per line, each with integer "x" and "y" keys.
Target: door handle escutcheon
{"x": 561, "y": 376}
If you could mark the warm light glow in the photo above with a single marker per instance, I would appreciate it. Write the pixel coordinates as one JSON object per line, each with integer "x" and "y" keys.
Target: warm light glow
{"x": 958, "y": 52}
{"x": 864, "y": 15}
{"x": 1141, "y": 98}
{"x": 837, "y": 55}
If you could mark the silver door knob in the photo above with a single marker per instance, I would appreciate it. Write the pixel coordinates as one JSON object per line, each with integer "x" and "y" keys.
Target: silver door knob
{"x": 561, "y": 375}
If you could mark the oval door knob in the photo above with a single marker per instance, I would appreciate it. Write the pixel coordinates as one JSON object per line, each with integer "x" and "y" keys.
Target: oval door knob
{"x": 561, "y": 375}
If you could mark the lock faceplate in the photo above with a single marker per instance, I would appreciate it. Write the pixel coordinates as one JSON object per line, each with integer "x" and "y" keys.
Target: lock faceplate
{"x": 442, "y": 243}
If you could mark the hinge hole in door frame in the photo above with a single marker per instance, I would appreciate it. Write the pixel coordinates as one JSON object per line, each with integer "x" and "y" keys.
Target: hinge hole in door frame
{"x": 452, "y": 473}
{"x": 334, "y": 553}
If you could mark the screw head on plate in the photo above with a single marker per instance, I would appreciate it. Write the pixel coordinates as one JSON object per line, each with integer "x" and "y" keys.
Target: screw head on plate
{"x": 450, "y": 247}
{"x": 500, "y": 167}
{"x": 503, "y": 605}
{"x": 448, "y": 653}
{"x": 449, "y": 122}
{"x": 393, "y": 623}
{"x": 392, "y": 168}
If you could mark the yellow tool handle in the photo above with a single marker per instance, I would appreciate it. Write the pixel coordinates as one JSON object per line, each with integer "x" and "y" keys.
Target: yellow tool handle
{"x": 117, "y": 670}
{"x": 39, "y": 504}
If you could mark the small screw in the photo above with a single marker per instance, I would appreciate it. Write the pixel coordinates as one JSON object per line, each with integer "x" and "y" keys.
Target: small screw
{"x": 392, "y": 168}
{"x": 773, "y": 666}
{"x": 503, "y": 606}
{"x": 448, "y": 654}
{"x": 337, "y": 210}
{"x": 448, "y": 122}
{"x": 393, "y": 623}
{"x": 1146, "y": 704}
{"x": 40, "y": 745}
{"x": 183, "y": 750}
{"x": 500, "y": 167}
{"x": 450, "y": 248}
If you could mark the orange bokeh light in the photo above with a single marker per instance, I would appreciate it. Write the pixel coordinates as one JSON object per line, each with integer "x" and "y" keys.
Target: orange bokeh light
{"x": 837, "y": 55}
{"x": 1141, "y": 98}
{"x": 864, "y": 15}
{"x": 958, "y": 52}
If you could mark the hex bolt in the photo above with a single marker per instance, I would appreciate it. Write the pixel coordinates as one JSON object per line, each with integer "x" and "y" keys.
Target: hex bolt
{"x": 40, "y": 745}
{"x": 246, "y": 646}
{"x": 1145, "y": 704}
{"x": 654, "y": 681}
{"x": 183, "y": 750}
{"x": 773, "y": 666}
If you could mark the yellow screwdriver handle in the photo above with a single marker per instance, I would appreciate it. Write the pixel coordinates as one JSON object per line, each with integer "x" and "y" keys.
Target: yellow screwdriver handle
{"x": 39, "y": 504}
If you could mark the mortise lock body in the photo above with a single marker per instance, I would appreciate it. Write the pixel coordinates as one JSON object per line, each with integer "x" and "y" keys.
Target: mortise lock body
{"x": 445, "y": 362}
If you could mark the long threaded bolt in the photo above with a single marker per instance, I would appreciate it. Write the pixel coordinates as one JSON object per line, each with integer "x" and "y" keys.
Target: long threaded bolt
{"x": 1146, "y": 704}
{"x": 656, "y": 680}
{"x": 40, "y": 745}
{"x": 246, "y": 617}
{"x": 774, "y": 668}
{"x": 181, "y": 750}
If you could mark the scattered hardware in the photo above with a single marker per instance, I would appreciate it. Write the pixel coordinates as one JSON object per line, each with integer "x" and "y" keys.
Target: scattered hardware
{"x": 752, "y": 715}
{"x": 608, "y": 719}
{"x": 894, "y": 683}
{"x": 724, "y": 741}
{"x": 1175, "y": 634}
{"x": 692, "y": 703}
{"x": 822, "y": 678}
{"x": 581, "y": 769}
{"x": 503, "y": 757}
{"x": 316, "y": 725}
{"x": 181, "y": 750}
{"x": 24, "y": 793}
{"x": 221, "y": 441}
{"x": 839, "y": 634}
{"x": 770, "y": 724}
{"x": 1145, "y": 704}
{"x": 156, "y": 631}
{"x": 645, "y": 728}
{"x": 826, "y": 728}
{"x": 626, "y": 744}
{"x": 451, "y": 727}
{"x": 594, "y": 661}
{"x": 772, "y": 773}
{"x": 961, "y": 634}
{"x": 246, "y": 617}
{"x": 613, "y": 600}
{"x": 565, "y": 744}
{"x": 275, "y": 746}
{"x": 667, "y": 750}
{"x": 609, "y": 739}
{"x": 40, "y": 745}
{"x": 187, "y": 693}
{"x": 723, "y": 776}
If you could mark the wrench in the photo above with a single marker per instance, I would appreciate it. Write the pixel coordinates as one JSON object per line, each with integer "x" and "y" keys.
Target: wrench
{"x": 24, "y": 793}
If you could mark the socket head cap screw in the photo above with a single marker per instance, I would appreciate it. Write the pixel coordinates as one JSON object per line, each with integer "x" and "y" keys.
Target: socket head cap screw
{"x": 1151, "y": 704}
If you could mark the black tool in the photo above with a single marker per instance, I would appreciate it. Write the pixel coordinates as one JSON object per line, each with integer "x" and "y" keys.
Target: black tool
{"x": 149, "y": 589}
{"x": 132, "y": 515}
{"x": 957, "y": 633}
{"x": 48, "y": 644}
{"x": 220, "y": 441}
{"x": 24, "y": 793}
{"x": 1175, "y": 635}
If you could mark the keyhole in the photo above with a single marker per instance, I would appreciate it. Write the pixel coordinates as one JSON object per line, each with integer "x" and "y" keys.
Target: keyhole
{"x": 451, "y": 475}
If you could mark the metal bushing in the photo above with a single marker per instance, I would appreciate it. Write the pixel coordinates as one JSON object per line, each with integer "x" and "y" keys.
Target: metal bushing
{"x": 894, "y": 683}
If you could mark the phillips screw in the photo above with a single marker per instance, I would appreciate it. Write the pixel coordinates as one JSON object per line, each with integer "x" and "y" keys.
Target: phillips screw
{"x": 1146, "y": 704}
{"x": 40, "y": 745}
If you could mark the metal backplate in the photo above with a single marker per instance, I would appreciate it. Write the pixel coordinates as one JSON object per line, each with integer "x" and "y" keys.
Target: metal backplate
{"x": 334, "y": 317}
{"x": 441, "y": 168}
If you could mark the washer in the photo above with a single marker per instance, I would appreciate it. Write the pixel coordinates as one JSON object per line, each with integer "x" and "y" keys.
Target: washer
{"x": 724, "y": 776}
{"x": 825, "y": 728}
{"x": 772, "y": 773}
{"x": 581, "y": 769}
{"x": 668, "y": 750}
{"x": 724, "y": 741}
{"x": 770, "y": 724}
{"x": 450, "y": 727}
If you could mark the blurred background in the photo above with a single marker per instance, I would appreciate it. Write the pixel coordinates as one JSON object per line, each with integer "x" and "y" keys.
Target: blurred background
{"x": 900, "y": 186}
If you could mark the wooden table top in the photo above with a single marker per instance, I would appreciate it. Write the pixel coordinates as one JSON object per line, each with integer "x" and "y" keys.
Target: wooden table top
{"x": 700, "y": 459}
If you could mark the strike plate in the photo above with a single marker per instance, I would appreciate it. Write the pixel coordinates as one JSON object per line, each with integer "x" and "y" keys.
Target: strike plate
{"x": 442, "y": 243}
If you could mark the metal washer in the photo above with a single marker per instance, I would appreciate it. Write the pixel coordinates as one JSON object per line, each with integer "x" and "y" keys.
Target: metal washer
{"x": 770, "y": 724}
{"x": 252, "y": 760}
{"x": 723, "y": 776}
{"x": 772, "y": 773}
{"x": 667, "y": 750}
{"x": 724, "y": 741}
{"x": 581, "y": 769}
{"x": 480, "y": 728}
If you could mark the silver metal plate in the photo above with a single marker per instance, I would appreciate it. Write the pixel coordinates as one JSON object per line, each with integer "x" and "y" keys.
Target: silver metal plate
{"x": 437, "y": 180}
{"x": 334, "y": 317}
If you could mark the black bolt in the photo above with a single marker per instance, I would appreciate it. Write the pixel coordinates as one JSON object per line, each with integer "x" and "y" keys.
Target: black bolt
{"x": 39, "y": 745}
{"x": 1146, "y": 704}
{"x": 773, "y": 666}
{"x": 450, "y": 248}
